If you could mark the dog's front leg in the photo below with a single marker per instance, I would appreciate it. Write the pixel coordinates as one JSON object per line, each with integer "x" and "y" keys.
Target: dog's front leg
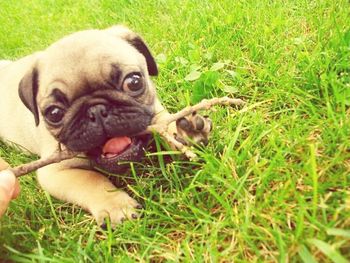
{"x": 89, "y": 189}
{"x": 188, "y": 130}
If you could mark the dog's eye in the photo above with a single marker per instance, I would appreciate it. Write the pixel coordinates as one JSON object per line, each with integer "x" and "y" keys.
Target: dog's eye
{"x": 54, "y": 114}
{"x": 133, "y": 83}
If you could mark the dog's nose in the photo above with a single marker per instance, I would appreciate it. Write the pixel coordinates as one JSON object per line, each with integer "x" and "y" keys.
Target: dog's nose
{"x": 98, "y": 111}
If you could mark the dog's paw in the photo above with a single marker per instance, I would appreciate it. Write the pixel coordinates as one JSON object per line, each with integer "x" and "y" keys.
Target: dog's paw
{"x": 193, "y": 129}
{"x": 116, "y": 207}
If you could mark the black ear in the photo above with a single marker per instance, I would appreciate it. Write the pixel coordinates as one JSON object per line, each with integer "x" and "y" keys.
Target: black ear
{"x": 138, "y": 43}
{"x": 28, "y": 90}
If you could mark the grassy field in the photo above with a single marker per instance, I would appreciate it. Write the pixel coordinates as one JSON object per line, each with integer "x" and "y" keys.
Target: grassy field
{"x": 273, "y": 183}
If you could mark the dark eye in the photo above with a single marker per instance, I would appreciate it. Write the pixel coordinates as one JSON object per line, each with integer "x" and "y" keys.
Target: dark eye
{"x": 133, "y": 83}
{"x": 54, "y": 114}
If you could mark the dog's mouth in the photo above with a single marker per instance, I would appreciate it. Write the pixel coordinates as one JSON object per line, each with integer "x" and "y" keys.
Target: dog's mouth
{"x": 116, "y": 153}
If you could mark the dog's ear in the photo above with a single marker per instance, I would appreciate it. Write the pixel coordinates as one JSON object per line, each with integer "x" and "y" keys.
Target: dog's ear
{"x": 140, "y": 45}
{"x": 137, "y": 42}
{"x": 28, "y": 90}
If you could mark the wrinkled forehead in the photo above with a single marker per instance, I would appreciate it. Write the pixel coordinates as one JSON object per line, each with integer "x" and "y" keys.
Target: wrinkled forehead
{"x": 87, "y": 59}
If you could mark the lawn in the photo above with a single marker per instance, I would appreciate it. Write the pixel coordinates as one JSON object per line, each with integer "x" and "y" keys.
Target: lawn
{"x": 273, "y": 183}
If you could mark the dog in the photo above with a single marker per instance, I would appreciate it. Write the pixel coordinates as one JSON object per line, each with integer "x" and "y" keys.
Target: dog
{"x": 89, "y": 92}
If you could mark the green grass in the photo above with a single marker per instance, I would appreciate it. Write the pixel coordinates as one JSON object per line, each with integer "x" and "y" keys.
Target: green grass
{"x": 273, "y": 184}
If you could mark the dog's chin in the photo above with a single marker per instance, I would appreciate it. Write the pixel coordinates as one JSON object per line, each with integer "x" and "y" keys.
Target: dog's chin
{"x": 119, "y": 162}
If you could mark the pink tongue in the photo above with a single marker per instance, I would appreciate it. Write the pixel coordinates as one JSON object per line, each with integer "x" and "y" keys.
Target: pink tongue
{"x": 116, "y": 145}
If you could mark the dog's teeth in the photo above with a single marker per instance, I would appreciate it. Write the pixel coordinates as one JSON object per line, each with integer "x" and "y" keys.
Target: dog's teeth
{"x": 109, "y": 155}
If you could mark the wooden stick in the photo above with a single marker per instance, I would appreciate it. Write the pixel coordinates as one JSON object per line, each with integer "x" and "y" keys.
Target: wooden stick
{"x": 203, "y": 105}
{"x": 56, "y": 157}
{"x": 160, "y": 128}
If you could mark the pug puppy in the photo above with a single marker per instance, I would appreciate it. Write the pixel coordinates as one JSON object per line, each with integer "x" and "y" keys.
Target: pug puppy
{"x": 89, "y": 92}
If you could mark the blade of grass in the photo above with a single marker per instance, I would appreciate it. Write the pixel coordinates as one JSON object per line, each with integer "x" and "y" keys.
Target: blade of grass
{"x": 328, "y": 250}
{"x": 305, "y": 255}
